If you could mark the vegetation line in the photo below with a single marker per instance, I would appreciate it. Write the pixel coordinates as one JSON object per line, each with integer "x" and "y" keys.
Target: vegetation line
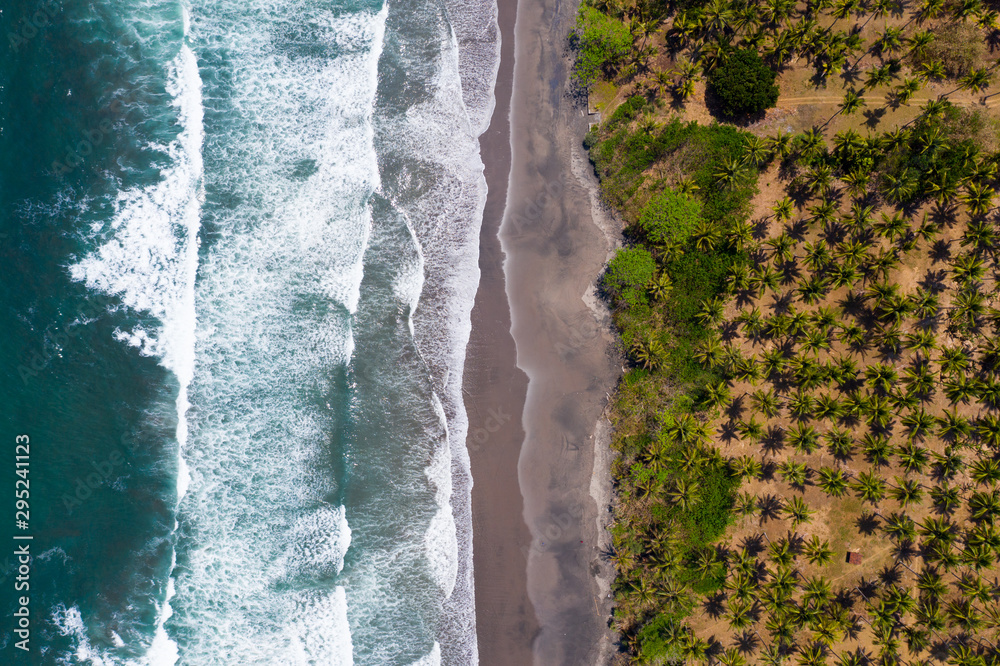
{"x": 808, "y": 431}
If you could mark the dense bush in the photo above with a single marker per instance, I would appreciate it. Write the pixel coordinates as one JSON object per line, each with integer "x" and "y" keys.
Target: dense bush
{"x": 927, "y": 165}
{"x": 958, "y": 46}
{"x": 628, "y": 274}
{"x": 743, "y": 85}
{"x": 602, "y": 44}
{"x": 669, "y": 218}
{"x": 657, "y": 641}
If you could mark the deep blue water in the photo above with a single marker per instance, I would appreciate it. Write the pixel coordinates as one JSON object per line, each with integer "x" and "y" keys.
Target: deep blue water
{"x": 239, "y": 253}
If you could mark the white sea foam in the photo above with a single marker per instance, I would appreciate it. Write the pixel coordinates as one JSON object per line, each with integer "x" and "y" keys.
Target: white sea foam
{"x": 151, "y": 262}
{"x": 444, "y": 131}
{"x": 442, "y": 536}
{"x": 294, "y": 163}
{"x": 432, "y": 658}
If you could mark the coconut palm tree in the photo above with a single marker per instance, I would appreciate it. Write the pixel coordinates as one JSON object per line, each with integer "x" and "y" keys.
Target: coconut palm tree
{"x": 978, "y": 198}
{"x": 919, "y": 423}
{"x": 899, "y": 188}
{"x": 745, "y": 467}
{"x": 648, "y": 352}
{"x": 756, "y": 151}
{"x": 852, "y": 102}
{"x": 794, "y": 473}
{"x": 877, "y": 449}
{"x": 728, "y": 172}
{"x": 952, "y": 425}
{"x": 933, "y": 69}
{"x": 870, "y": 487}
{"x": 661, "y": 286}
{"x": 919, "y": 41}
{"x": 781, "y": 144}
{"x": 913, "y": 458}
{"x": 907, "y": 491}
{"x": 907, "y": 89}
{"x": 841, "y": 444}
{"x": 803, "y": 438}
{"x": 900, "y": 527}
{"x": 683, "y": 493}
{"x": 985, "y": 471}
{"x": 818, "y": 551}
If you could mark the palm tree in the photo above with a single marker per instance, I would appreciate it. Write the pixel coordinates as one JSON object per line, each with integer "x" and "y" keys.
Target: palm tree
{"x": 852, "y": 102}
{"x": 766, "y": 402}
{"x": 832, "y": 481}
{"x": 919, "y": 41}
{"x": 781, "y": 144}
{"x": 907, "y": 491}
{"x": 841, "y": 444}
{"x": 732, "y": 656}
{"x": 818, "y": 551}
{"x": 975, "y": 81}
{"x": 755, "y": 151}
{"x": 728, "y": 172}
{"x": 870, "y": 487}
{"x": 813, "y": 655}
{"x": 648, "y": 352}
{"x": 946, "y": 498}
{"x": 985, "y": 470}
{"x": 746, "y": 467}
{"x": 803, "y": 438}
{"x": 878, "y": 76}
{"x": 891, "y": 40}
{"x": 794, "y": 473}
{"x": 930, "y": 9}
{"x": 881, "y": 376}
{"x": 661, "y": 286}
{"x": 952, "y": 425}
{"x": 683, "y": 493}
{"x": 898, "y": 188}
{"x": 978, "y": 198}
{"x": 900, "y": 527}
{"x": 913, "y": 458}
{"x": 919, "y": 423}
{"x": 877, "y": 449}
{"x": 963, "y": 615}
{"x": 933, "y": 69}
{"x": 907, "y": 89}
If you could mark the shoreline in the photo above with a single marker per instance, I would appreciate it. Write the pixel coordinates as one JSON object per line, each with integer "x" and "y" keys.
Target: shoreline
{"x": 559, "y": 239}
{"x": 539, "y": 365}
{"x": 495, "y": 390}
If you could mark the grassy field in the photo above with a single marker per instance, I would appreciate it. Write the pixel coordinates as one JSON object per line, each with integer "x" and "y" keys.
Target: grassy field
{"x": 808, "y": 434}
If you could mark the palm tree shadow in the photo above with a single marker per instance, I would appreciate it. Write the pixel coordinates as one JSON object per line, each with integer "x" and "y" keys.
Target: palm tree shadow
{"x": 867, "y": 523}
{"x": 715, "y": 605}
{"x": 874, "y": 116}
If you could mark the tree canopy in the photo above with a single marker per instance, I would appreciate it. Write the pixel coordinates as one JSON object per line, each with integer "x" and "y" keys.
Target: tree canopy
{"x": 628, "y": 274}
{"x": 602, "y": 43}
{"x": 669, "y": 218}
{"x": 743, "y": 85}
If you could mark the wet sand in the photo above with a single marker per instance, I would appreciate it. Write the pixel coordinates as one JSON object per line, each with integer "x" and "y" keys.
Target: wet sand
{"x": 494, "y": 399}
{"x": 537, "y": 441}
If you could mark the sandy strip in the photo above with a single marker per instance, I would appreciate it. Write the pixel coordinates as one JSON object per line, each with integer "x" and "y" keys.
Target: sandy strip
{"x": 555, "y": 240}
{"x": 494, "y": 399}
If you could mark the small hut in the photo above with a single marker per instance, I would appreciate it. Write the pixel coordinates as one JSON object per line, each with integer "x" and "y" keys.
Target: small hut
{"x": 853, "y": 558}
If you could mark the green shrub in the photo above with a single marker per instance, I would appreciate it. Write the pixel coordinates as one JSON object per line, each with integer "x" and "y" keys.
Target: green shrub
{"x": 743, "y": 85}
{"x": 628, "y": 273}
{"x": 707, "y": 519}
{"x": 669, "y": 218}
{"x": 656, "y": 640}
{"x": 602, "y": 44}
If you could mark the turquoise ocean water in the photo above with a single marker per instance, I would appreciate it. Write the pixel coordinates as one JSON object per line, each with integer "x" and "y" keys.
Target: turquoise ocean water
{"x": 239, "y": 253}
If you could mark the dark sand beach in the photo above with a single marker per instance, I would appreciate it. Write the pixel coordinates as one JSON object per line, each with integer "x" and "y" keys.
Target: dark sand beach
{"x": 537, "y": 441}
